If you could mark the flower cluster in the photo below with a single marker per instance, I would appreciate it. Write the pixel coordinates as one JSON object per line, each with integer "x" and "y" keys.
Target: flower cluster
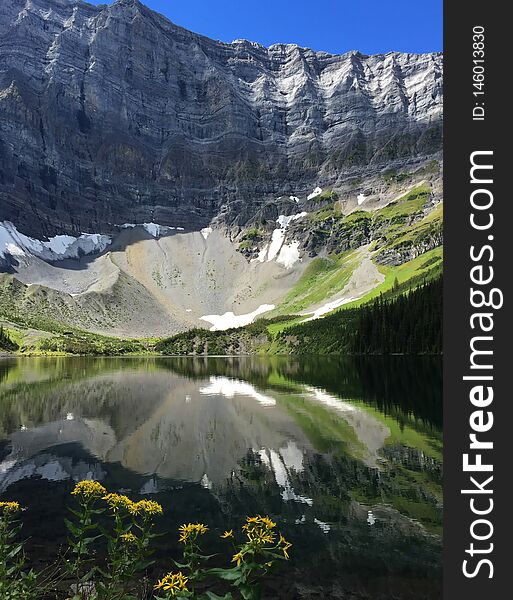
{"x": 191, "y": 531}
{"x": 261, "y": 539}
{"x": 88, "y": 490}
{"x": 9, "y": 507}
{"x": 128, "y": 538}
{"x": 260, "y": 530}
{"x": 145, "y": 507}
{"x": 119, "y": 502}
{"x": 173, "y": 583}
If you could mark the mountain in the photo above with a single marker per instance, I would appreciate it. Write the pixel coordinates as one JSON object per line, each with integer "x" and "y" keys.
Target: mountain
{"x": 146, "y": 169}
{"x": 113, "y": 114}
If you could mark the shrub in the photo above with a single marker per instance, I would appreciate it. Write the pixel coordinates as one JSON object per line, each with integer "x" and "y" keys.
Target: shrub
{"x": 6, "y": 343}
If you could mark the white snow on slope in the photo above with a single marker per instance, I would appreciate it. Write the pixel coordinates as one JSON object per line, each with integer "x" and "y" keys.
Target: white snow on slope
{"x": 289, "y": 255}
{"x": 328, "y": 307}
{"x": 284, "y": 221}
{"x": 261, "y": 255}
{"x": 229, "y": 319}
{"x": 276, "y": 243}
{"x": 206, "y": 231}
{"x": 55, "y": 248}
{"x": 315, "y": 193}
{"x": 223, "y": 386}
{"x": 285, "y": 254}
{"x": 154, "y": 229}
{"x": 60, "y": 247}
{"x": 360, "y": 199}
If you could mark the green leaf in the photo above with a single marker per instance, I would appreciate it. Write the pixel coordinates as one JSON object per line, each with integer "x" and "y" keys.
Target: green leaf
{"x": 206, "y": 556}
{"x": 212, "y": 596}
{"x": 16, "y": 550}
{"x": 182, "y": 565}
{"x": 249, "y": 592}
{"x": 232, "y": 574}
{"x": 144, "y": 564}
{"x": 75, "y": 530}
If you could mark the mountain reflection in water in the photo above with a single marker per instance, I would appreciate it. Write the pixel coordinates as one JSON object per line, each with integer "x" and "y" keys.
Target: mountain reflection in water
{"x": 344, "y": 453}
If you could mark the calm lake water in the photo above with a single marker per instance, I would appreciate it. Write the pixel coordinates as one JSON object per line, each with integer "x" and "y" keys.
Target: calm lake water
{"x": 344, "y": 453}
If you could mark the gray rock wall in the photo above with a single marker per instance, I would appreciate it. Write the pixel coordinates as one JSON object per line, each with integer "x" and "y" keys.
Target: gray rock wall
{"x": 113, "y": 114}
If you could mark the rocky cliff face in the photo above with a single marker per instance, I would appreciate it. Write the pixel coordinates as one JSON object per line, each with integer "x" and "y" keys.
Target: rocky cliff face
{"x": 113, "y": 114}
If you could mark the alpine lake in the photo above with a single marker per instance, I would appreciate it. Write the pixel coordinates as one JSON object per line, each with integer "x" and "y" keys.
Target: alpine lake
{"x": 344, "y": 453}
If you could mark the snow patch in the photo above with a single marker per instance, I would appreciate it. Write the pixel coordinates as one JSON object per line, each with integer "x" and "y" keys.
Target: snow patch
{"x": 14, "y": 250}
{"x": 294, "y": 199}
{"x": 328, "y": 307}
{"x": 154, "y": 229}
{"x": 289, "y": 255}
{"x": 284, "y": 220}
{"x": 285, "y": 254}
{"x": 206, "y": 231}
{"x": 261, "y": 255}
{"x": 229, "y": 388}
{"x": 315, "y": 193}
{"x": 276, "y": 243}
{"x": 59, "y": 247}
{"x": 229, "y": 319}
{"x": 360, "y": 199}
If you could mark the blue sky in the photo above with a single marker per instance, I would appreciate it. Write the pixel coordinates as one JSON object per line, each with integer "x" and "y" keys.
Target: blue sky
{"x": 371, "y": 26}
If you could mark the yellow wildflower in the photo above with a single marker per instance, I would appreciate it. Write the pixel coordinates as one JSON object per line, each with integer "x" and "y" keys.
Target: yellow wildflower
{"x": 88, "y": 489}
{"x": 259, "y": 520}
{"x": 253, "y": 519}
{"x": 173, "y": 583}
{"x": 191, "y": 530}
{"x": 267, "y": 522}
{"x": 9, "y": 507}
{"x": 285, "y": 545}
{"x": 265, "y": 538}
{"x": 128, "y": 538}
{"x": 145, "y": 507}
{"x": 259, "y": 536}
{"x": 118, "y": 502}
{"x": 238, "y": 558}
{"x": 227, "y": 534}
{"x": 259, "y": 530}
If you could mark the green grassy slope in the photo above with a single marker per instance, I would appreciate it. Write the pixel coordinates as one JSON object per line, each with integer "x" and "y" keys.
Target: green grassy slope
{"x": 403, "y": 239}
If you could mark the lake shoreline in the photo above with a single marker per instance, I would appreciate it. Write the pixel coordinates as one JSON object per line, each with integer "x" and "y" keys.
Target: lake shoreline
{"x": 4, "y": 355}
